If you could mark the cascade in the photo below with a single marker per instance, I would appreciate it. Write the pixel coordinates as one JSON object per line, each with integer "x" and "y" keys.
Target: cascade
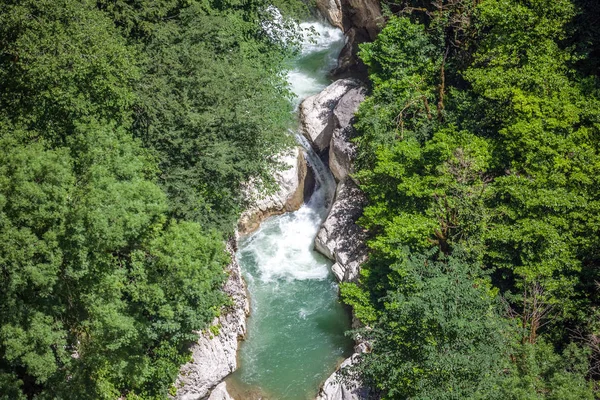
{"x": 296, "y": 329}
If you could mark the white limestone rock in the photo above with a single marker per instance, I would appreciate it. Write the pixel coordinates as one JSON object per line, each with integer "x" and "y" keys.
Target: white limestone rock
{"x": 316, "y": 113}
{"x": 289, "y": 196}
{"x": 335, "y": 389}
{"x": 341, "y": 150}
{"x": 214, "y": 357}
{"x": 340, "y": 238}
{"x": 220, "y": 393}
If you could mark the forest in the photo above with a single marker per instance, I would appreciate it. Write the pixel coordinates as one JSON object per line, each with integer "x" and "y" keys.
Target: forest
{"x": 479, "y": 152}
{"x": 128, "y": 129}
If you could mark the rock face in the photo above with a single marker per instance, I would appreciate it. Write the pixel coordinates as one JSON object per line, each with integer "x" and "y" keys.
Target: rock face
{"x": 214, "y": 357}
{"x": 316, "y": 113}
{"x": 362, "y": 15}
{"x": 332, "y": 10}
{"x": 340, "y": 238}
{"x": 361, "y": 21}
{"x": 289, "y": 196}
{"x": 335, "y": 389}
{"x": 341, "y": 151}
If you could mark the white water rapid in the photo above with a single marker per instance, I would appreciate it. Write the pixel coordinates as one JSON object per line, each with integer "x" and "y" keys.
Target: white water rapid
{"x": 296, "y": 328}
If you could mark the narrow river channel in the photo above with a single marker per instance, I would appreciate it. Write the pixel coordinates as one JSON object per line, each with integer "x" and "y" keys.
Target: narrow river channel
{"x": 296, "y": 329}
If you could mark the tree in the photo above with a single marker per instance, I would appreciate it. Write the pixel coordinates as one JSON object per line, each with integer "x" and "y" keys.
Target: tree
{"x": 440, "y": 335}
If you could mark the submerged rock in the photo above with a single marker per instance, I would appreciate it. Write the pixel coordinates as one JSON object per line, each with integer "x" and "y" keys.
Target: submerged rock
{"x": 289, "y": 196}
{"x": 341, "y": 150}
{"x": 316, "y": 113}
{"x": 340, "y": 238}
{"x": 214, "y": 356}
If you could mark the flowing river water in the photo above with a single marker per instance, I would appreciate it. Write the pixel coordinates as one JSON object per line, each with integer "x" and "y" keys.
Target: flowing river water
{"x": 296, "y": 329}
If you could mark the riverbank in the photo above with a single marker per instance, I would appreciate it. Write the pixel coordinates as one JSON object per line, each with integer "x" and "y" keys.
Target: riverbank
{"x": 296, "y": 332}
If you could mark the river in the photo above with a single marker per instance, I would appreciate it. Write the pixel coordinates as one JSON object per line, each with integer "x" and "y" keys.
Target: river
{"x": 296, "y": 328}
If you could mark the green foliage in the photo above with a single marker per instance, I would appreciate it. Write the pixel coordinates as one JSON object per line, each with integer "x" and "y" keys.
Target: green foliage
{"x": 126, "y": 131}
{"x": 502, "y": 179}
{"x": 214, "y": 109}
{"x": 62, "y": 60}
{"x": 427, "y": 193}
{"x": 359, "y": 299}
{"x": 541, "y": 373}
{"x": 402, "y": 63}
{"x": 439, "y": 334}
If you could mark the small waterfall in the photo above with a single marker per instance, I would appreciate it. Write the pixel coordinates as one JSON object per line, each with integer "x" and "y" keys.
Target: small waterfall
{"x": 296, "y": 328}
{"x": 324, "y": 194}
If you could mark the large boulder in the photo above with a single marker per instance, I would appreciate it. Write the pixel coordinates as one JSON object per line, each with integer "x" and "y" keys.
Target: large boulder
{"x": 288, "y": 197}
{"x": 362, "y": 21}
{"x": 214, "y": 356}
{"x": 340, "y": 238}
{"x": 332, "y": 10}
{"x": 316, "y": 113}
{"x": 341, "y": 150}
{"x": 363, "y": 15}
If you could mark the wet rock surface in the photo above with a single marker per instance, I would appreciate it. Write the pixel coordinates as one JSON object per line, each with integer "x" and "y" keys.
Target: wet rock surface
{"x": 332, "y": 11}
{"x": 220, "y": 393}
{"x": 337, "y": 387}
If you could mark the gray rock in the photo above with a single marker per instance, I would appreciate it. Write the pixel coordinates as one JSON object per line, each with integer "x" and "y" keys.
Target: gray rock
{"x": 220, "y": 393}
{"x": 358, "y": 14}
{"x": 341, "y": 150}
{"x": 214, "y": 357}
{"x": 316, "y": 113}
{"x": 340, "y": 238}
{"x": 336, "y": 389}
{"x": 289, "y": 196}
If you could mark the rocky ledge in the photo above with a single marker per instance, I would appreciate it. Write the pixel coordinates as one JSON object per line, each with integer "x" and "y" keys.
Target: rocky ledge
{"x": 337, "y": 387}
{"x": 317, "y": 122}
{"x": 340, "y": 238}
{"x": 289, "y": 196}
{"x": 220, "y": 392}
{"x": 361, "y": 21}
{"x": 327, "y": 123}
{"x": 341, "y": 149}
{"x": 215, "y": 356}
{"x": 327, "y": 120}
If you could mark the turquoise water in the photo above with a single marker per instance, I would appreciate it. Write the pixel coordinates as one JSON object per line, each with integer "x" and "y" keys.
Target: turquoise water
{"x": 296, "y": 328}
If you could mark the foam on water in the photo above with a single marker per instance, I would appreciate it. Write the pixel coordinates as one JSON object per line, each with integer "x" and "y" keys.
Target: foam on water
{"x": 320, "y": 47}
{"x": 296, "y": 328}
{"x": 317, "y": 36}
{"x": 282, "y": 248}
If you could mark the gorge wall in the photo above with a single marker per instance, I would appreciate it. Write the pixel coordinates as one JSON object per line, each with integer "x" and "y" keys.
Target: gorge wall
{"x": 361, "y": 21}
{"x": 326, "y": 121}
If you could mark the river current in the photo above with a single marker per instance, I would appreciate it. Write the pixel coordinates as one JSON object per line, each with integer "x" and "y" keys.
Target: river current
{"x": 296, "y": 328}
